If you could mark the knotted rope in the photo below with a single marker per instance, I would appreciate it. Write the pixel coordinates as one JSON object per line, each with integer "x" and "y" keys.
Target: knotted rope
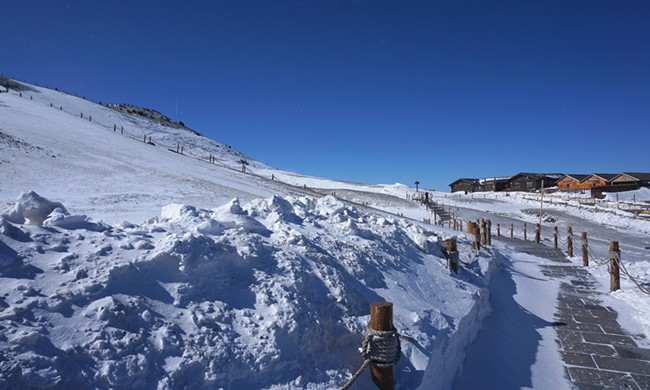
{"x": 380, "y": 349}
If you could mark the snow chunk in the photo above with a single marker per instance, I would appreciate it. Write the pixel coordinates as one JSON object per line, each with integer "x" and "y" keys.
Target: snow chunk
{"x": 32, "y": 209}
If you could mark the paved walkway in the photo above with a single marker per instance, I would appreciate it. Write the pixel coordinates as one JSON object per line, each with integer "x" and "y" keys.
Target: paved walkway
{"x": 597, "y": 352}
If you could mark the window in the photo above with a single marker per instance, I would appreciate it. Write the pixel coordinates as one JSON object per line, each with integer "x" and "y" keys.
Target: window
{"x": 517, "y": 185}
{"x": 529, "y": 184}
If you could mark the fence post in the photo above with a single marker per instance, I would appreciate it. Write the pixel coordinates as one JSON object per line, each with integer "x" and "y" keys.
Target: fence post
{"x": 537, "y": 231}
{"x": 122, "y": 129}
{"x": 498, "y": 230}
{"x": 483, "y": 232}
{"x": 114, "y": 127}
{"x": 585, "y": 257}
{"x": 489, "y": 232}
{"x": 512, "y": 231}
{"x": 569, "y": 241}
{"x": 145, "y": 139}
{"x": 614, "y": 266}
{"x": 477, "y": 236}
{"x": 555, "y": 237}
{"x": 452, "y": 252}
{"x": 381, "y": 318}
{"x": 525, "y": 236}
{"x": 460, "y": 224}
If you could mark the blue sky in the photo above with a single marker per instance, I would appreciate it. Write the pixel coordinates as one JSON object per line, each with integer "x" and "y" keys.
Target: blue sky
{"x": 370, "y": 91}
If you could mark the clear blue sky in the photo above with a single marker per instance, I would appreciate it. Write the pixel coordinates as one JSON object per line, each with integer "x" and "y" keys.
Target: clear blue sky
{"x": 370, "y": 91}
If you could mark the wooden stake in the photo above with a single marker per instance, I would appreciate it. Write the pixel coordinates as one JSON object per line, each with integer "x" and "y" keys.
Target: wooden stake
{"x": 585, "y": 257}
{"x": 452, "y": 252}
{"x": 381, "y": 318}
{"x": 483, "y": 232}
{"x": 614, "y": 266}
{"x": 555, "y": 237}
{"x": 512, "y": 231}
{"x": 537, "y": 232}
{"x": 569, "y": 241}
{"x": 525, "y": 232}
{"x": 498, "y": 230}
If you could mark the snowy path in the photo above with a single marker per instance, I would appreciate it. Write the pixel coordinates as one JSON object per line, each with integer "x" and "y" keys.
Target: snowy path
{"x": 551, "y": 328}
{"x": 516, "y": 346}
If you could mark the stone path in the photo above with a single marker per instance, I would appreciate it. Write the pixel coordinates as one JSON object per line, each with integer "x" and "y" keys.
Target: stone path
{"x": 597, "y": 352}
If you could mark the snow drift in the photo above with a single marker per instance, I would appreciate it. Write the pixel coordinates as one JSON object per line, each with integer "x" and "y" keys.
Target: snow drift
{"x": 271, "y": 294}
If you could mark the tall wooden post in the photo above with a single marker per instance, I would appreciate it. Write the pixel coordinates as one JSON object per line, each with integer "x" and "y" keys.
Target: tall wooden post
{"x": 488, "y": 224}
{"x": 477, "y": 235}
{"x": 452, "y": 252}
{"x": 460, "y": 225}
{"x": 569, "y": 241}
{"x": 555, "y": 237}
{"x": 614, "y": 266}
{"x": 498, "y": 230}
{"x": 381, "y": 318}
{"x": 537, "y": 233}
{"x": 525, "y": 237}
{"x": 585, "y": 257}
{"x": 483, "y": 232}
{"x": 512, "y": 231}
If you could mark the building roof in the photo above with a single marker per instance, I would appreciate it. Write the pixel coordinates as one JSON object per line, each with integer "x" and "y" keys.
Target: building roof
{"x": 578, "y": 177}
{"x": 466, "y": 180}
{"x": 640, "y": 176}
{"x": 605, "y": 176}
{"x": 555, "y": 176}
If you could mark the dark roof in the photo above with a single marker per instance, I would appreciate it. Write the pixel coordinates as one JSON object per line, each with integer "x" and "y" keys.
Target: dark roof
{"x": 641, "y": 176}
{"x": 578, "y": 177}
{"x": 556, "y": 176}
{"x": 465, "y": 179}
{"x": 605, "y": 176}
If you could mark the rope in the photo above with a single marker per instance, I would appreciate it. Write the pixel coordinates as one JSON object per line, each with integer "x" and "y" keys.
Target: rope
{"x": 641, "y": 287}
{"x": 380, "y": 349}
{"x": 599, "y": 260}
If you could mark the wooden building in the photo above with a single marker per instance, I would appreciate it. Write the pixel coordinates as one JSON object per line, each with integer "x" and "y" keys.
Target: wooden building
{"x": 532, "y": 181}
{"x": 640, "y": 179}
{"x": 571, "y": 182}
{"x": 492, "y": 184}
{"x": 465, "y": 185}
{"x": 597, "y": 180}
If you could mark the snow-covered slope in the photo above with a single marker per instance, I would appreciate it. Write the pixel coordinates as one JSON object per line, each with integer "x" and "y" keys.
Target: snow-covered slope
{"x": 124, "y": 264}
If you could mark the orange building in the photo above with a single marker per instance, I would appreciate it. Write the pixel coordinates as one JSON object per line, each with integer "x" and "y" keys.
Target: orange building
{"x": 571, "y": 182}
{"x": 597, "y": 180}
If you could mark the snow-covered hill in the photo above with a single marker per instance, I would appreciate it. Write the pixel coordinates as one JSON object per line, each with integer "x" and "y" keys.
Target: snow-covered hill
{"x": 124, "y": 264}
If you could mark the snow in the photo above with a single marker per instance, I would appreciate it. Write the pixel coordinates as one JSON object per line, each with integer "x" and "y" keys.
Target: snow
{"x": 127, "y": 265}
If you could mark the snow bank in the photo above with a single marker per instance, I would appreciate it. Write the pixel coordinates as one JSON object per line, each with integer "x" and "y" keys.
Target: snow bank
{"x": 640, "y": 195}
{"x": 272, "y": 294}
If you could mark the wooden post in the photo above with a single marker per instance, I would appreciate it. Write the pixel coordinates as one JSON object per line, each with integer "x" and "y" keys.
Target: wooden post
{"x": 460, "y": 225}
{"x": 483, "y": 232}
{"x": 122, "y": 129}
{"x": 498, "y": 230}
{"x": 525, "y": 232}
{"x": 435, "y": 217}
{"x": 381, "y": 318}
{"x": 181, "y": 149}
{"x": 585, "y": 257}
{"x": 145, "y": 139}
{"x": 488, "y": 232}
{"x": 114, "y": 127}
{"x": 452, "y": 252}
{"x": 555, "y": 237}
{"x": 614, "y": 266}
{"x": 512, "y": 231}
{"x": 178, "y": 148}
{"x": 537, "y": 233}
{"x": 569, "y": 241}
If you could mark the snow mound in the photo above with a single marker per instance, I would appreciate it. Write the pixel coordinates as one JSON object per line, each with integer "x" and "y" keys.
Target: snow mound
{"x": 32, "y": 209}
{"x": 272, "y": 294}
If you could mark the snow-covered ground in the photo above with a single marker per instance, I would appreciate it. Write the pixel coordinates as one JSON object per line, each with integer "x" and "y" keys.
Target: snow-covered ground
{"x": 632, "y": 234}
{"x": 124, "y": 264}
